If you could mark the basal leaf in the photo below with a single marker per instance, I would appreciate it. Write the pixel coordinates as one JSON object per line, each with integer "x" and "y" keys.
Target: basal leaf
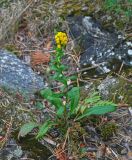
{"x": 72, "y": 77}
{"x": 94, "y": 98}
{"x": 44, "y": 129}
{"x": 60, "y": 111}
{"x": 26, "y": 128}
{"x": 97, "y": 110}
{"x": 46, "y": 92}
{"x": 53, "y": 98}
{"x": 57, "y": 102}
{"x": 58, "y": 95}
{"x": 61, "y": 79}
{"x": 74, "y": 95}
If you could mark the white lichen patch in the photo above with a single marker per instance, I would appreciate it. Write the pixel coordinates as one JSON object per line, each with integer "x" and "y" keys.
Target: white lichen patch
{"x": 130, "y": 52}
{"x": 129, "y": 44}
{"x": 106, "y": 70}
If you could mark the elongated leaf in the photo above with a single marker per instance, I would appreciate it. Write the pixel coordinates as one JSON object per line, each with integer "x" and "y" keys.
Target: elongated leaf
{"x": 26, "y": 128}
{"x": 94, "y": 98}
{"x": 105, "y": 103}
{"x": 64, "y": 67}
{"x": 61, "y": 79}
{"x": 60, "y": 111}
{"x": 53, "y": 98}
{"x": 57, "y": 102}
{"x": 74, "y": 95}
{"x": 97, "y": 110}
{"x": 82, "y": 109}
{"x": 46, "y": 92}
{"x": 44, "y": 129}
{"x": 58, "y": 95}
{"x": 72, "y": 77}
{"x": 59, "y": 68}
{"x": 53, "y": 67}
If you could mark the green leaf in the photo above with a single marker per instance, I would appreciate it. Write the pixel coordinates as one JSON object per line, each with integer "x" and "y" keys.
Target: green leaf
{"x": 58, "y": 95}
{"x": 46, "y": 92}
{"x": 73, "y": 96}
{"x": 57, "y": 102}
{"x": 49, "y": 93}
{"x": 64, "y": 67}
{"x": 82, "y": 109}
{"x": 59, "y": 68}
{"x": 61, "y": 79}
{"x": 53, "y": 98}
{"x": 60, "y": 111}
{"x": 44, "y": 129}
{"x": 53, "y": 67}
{"x": 94, "y": 98}
{"x": 26, "y": 128}
{"x": 105, "y": 103}
{"x": 97, "y": 110}
{"x": 72, "y": 77}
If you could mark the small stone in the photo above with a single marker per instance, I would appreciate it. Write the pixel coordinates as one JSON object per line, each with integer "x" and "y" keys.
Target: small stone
{"x": 124, "y": 151}
{"x": 54, "y": 133}
{"x": 106, "y": 86}
{"x": 92, "y": 149}
{"x": 129, "y": 44}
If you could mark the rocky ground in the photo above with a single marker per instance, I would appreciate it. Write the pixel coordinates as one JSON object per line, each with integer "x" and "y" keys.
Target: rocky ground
{"x": 99, "y": 51}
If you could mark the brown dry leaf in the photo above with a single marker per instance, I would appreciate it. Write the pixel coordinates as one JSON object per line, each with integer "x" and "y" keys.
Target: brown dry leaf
{"x": 123, "y": 105}
{"x": 91, "y": 155}
{"x": 60, "y": 154}
{"x": 39, "y": 58}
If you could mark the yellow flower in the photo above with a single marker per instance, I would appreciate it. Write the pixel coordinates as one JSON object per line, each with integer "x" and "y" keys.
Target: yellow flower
{"x": 61, "y": 39}
{"x": 58, "y": 46}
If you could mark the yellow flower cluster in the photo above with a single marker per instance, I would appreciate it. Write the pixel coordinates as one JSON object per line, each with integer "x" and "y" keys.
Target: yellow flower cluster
{"x": 61, "y": 39}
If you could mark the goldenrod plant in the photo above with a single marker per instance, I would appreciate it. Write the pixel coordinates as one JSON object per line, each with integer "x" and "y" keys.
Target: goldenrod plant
{"x": 61, "y": 39}
{"x": 68, "y": 108}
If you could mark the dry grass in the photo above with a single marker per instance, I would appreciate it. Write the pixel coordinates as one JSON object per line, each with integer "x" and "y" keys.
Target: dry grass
{"x": 42, "y": 20}
{"x": 10, "y": 14}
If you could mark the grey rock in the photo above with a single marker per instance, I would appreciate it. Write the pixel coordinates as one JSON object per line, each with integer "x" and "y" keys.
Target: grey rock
{"x": 11, "y": 151}
{"x": 99, "y": 45}
{"x": 106, "y": 86}
{"x": 24, "y": 149}
{"x": 18, "y": 76}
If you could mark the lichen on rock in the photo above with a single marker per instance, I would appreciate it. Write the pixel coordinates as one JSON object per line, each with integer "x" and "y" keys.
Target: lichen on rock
{"x": 17, "y": 76}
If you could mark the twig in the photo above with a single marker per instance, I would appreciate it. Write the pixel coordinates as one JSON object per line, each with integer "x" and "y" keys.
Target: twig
{"x": 121, "y": 68}
{"x": 86, "y": 69}
{"x": 64, "y": 144}
{"x": 114, "y": 154}
{"x": 128, "y": 80}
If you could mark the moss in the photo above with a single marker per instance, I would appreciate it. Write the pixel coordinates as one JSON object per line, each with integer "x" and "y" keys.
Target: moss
{"x": 75, "y": 135}
{"x": 97, "y": 9}
{"x": 124, "y": 92}
{"x": 107, "y": 130}
{"x": 120, "y": 24}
